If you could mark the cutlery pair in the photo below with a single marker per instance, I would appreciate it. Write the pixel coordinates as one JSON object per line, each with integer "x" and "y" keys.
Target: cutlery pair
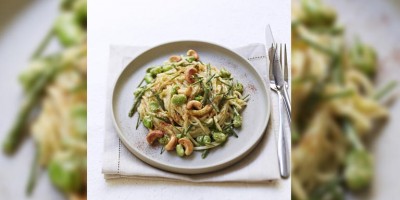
{"x": 279, "y": 84}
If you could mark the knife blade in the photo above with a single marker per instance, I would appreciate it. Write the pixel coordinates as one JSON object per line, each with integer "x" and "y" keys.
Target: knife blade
{"x": 277, "y": 68}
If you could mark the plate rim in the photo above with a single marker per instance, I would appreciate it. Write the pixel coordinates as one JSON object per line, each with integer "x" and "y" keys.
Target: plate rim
{"x": 190, "y": 170}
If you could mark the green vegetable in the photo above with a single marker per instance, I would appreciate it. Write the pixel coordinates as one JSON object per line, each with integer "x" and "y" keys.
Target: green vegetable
{"x": 358, "y": 172}
{"x": 148, "y": 121}
{"x": 224, "y": 73}
{"x": 174, "y": 90}
{"x": 198, "y": 98}
{"x": 65, "y": 172}
{"x": 364, "y": 58}
{"x": 205, "y": 153}
{"x": 179, "y": 135}
{"x": 156, "y": 70}
{"x": 179, "y": 99}
{"x": 329, "y": 190}
{"x": 68, "y": 30}
{"x": 219, "y": 137}
{"x": 138, "y": 91}
{"x": 207, "y": 139}
{"x": 167, "y": 68}
{"x": 154, "y": 106}
{"x": 190, "y": 59}
{"x": 237, "y": 121}
{"x": 199, "y": 139}
{"x": 316, "y": 13}
{"x": 148, "y": 78}
{"x": 164, "y": 140}
{"x": 16, "y": 133}
{"x": 33, "y": 175}
{"x": 80, "y": 9}
{"x": 238, "y": 87}
{"x": 179, "y": 150}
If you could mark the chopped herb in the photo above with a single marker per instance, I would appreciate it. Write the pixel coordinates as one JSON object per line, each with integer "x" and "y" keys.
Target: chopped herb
{"x": 163, "y": 119}
{"x": 160, "y": 101}
{"x": 162, "y": 150}
{"x": 210, "y": 78}
{"x": 138, "y": 122}
{"x": 205, "y": 153}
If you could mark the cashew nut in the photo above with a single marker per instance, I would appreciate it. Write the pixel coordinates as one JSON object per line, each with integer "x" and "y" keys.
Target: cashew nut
{"x": 172, "y": 143}
{"x": 195, "y": 104}
{"x": 189, "y": 72}
{"x": 203, "y": 111}
{"x": 193, "y": 53}
{"x": 187, "y": 145}
{"x": 175, "y": 59}
{"x": 153, "y": 135}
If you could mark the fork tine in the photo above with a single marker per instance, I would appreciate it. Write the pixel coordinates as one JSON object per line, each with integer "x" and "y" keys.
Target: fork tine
{"x": 286, "y": 71}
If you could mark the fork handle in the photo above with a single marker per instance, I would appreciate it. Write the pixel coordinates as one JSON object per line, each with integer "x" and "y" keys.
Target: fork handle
{"x": 287, "y": 103}
{"x": 283, "y": 151}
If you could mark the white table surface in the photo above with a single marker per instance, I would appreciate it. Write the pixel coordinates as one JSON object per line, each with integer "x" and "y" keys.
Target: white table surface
{"x": 149, "y": 23}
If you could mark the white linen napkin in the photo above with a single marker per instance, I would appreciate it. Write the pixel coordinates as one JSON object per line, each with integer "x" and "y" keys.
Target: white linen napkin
{"x": 261, "y": 165}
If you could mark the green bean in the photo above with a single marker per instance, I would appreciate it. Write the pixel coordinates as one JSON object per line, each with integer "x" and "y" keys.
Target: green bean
{"x": 167, "y": 68}
{"x": 138, "y": 91}
{"x": 224, "y": 73}
{"x": 179, "y": 150}
{"x": 237, "y": 121}
{"x": 80, "y": 10}
{"x": 164, "y": 140}
{"x": 136, "y": 102}
{"x": 65, "y": 172}
{"x": 358, "y": 171}
{"x": 239, "y": 87}
{"x": 156, "y": 70}
{"x": 198, "y": 98}
{"x": 148, "y": 121}
{"x": 364, "y": 58}
{"x": 16, "y": 133}
{"x": 199, "y": 139}
{"x": 154, "y": 106}
{"x": 207, "y": 139}
{"x": 174, "y": 90}
{"x": 179, "y": 99}
{"x": 67, "y": 30}
{"x": 148, "y": 78}
{"x": 219, "y": 137}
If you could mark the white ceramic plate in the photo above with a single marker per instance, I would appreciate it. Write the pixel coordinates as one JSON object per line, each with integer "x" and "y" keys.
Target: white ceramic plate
{"x": 255, "y": 115}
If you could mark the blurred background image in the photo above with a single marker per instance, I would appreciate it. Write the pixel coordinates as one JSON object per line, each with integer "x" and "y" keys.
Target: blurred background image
{"x": 43, "y": 86}
{"x": 345, "y": 73}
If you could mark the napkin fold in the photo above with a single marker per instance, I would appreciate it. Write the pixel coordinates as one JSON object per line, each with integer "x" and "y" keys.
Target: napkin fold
{"x": 260, "y": 165}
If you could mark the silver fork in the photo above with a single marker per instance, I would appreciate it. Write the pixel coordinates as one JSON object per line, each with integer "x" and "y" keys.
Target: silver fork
{"x": 283, "y": 150}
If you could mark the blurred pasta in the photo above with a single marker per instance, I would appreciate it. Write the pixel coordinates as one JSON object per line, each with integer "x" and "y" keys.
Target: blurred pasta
{"x": 336, "y": 106}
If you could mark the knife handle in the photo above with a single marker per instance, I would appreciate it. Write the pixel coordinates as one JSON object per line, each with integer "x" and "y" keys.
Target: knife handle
{"x": 283, "y": 150}
{"x": 288, "y": 106}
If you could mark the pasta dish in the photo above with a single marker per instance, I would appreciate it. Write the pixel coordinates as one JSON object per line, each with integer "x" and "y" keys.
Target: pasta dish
{"x": 188, "y": 105}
